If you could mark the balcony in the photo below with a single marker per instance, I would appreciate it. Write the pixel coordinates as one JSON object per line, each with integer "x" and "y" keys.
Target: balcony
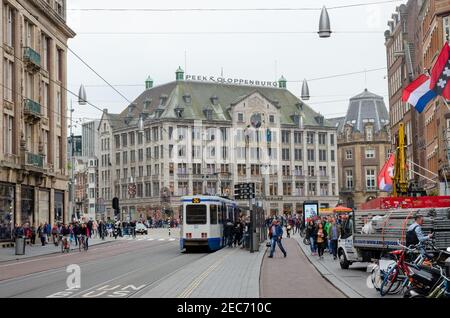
{"x": 182, "y": 176}
{"x": 32, "y": 110}
{"x": 32, "y": 59}
{"x": 34, "y": 160}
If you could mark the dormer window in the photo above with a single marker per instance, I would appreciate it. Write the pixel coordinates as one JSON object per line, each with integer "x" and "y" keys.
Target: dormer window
{"x": 272, "y": 119}
{"x": 319, "y": 120}
{"x": 147, "y": 103}
{"x": 214, "y": 100}
{"x": 179, "y": 112}
{"x": 240, "y": 117}
{"x": 296, "y": 119}
{"x": 299, "y": 105}
{"x": 163, "y": 100}
{"x": 187, "y": 98}
{"x": 208, "y": 112}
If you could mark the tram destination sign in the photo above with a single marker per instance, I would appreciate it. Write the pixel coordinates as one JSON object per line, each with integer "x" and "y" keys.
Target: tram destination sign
{"x": 244, "y": 191}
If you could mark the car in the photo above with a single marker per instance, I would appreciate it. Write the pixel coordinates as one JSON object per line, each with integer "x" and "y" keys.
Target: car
{"x": 141, "y": 228}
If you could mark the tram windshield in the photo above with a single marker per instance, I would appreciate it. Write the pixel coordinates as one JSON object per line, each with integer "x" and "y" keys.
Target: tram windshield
{"x": 195, "y": 214}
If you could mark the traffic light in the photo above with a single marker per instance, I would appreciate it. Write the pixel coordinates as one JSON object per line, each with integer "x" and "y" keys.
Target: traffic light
{"x": 115, "y": 205}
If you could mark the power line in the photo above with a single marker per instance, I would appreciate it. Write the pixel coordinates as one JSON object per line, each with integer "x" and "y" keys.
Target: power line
{"x": 103, "y": 79}
{"x": 226, "y": 33}
{"x": 228, "y": 9}
{"x": 341, "y": 75}
{"x": 85, "y": 63}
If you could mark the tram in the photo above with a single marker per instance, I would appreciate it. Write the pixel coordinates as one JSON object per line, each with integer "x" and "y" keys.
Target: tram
{"x": 203, "y": 221}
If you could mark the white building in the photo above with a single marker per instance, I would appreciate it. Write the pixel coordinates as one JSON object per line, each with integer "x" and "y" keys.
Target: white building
{"x": 205, "y": 137}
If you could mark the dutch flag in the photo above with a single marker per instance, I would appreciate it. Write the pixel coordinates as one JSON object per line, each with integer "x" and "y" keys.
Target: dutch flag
{"x": 418, "y": 93}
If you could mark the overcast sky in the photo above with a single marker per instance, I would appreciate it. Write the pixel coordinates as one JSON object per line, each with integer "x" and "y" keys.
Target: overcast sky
{"x": 125, "y": 59}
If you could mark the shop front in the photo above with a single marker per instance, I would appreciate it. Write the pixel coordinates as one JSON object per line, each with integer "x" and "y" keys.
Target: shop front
{"x": 7, "y": 197}
{"x": 27, "y": 204}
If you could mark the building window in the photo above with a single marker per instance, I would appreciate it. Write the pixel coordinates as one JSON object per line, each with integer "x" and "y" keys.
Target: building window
{"x": 8, "y": 123}
{"x": 310, "y": 171}
{"x": 287, "y": 188}
{"x": 298, "y": 137}
{"x": 322, "y": 139}
{"x": 312, "y": 191}
{"x": 370, "y": 153}
{"x": 285, "y": 134}
{"x": 8, "y": 79}
{"x": 44, "y": 52}
{"x": 370, "y": 179}
{"x": 332, "y": 139}
{"x": 369, "y": 133}
{"x": 349, "y": 179}
{"x": 322, "y": 155}
{"x": 310, "y": 154}
{"x": 323, "y": 171}
{"x": 332, "y": 155}
{"x": 271, "y": 119}
{"x": 242, "y": 170}
{"x": 298, "y": 154}
{"x": 285, "y": 154}
{"x": 324, "y": 189}
{"x": 348, "y": 154}
{"x": 240, "y": 117}
{"x": 273, "y": 188}
{"x": 9, "y": 25}
{"x": 310, "y": 138}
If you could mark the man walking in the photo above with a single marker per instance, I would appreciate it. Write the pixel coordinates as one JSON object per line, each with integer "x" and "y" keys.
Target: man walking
{"x": 333, "y": 236}
{"x": 276, "y": 233}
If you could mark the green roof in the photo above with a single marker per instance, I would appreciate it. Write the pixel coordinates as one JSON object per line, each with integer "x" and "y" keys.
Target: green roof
{"x": 195, "y": 96}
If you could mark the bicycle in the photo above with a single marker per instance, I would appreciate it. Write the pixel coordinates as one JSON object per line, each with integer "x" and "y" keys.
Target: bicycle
{"x": 397, "y": 276}
{"x": 65, "y": 246}
{"x": 82, "y": 241}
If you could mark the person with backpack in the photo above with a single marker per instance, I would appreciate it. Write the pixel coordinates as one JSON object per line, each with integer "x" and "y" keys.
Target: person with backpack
{"x": 415, "y": 235}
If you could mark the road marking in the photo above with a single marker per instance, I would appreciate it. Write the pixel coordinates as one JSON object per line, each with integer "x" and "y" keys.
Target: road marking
{"x": 161, "y": 239}
{"x": 172, "y": 239}
{"x": 150, "y": 239}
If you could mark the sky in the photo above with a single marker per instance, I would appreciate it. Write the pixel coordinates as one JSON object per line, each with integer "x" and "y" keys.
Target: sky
{"x": 125, "y": 60}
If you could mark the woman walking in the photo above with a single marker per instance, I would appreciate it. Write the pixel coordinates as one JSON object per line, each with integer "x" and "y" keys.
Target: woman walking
{"x": 311, "y": 235}
{"x": 321, "y": 239}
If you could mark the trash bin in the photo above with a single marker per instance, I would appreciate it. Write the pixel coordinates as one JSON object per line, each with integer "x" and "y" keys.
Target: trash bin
{"x": 20, "y": 246}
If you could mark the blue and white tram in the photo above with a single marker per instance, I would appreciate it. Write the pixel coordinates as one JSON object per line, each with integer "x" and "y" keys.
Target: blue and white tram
{"x": 203, "y": 220}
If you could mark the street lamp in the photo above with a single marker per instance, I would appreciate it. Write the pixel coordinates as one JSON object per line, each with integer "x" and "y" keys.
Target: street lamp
{"x": 82, "y": 100}
{"x": 305, "y": 90}
{"x": 324, "y": 24}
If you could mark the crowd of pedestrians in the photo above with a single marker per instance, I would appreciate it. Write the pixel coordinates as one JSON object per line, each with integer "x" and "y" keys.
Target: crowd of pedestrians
{"x": 323, "y": 233}
{"x": 236, "y": 234}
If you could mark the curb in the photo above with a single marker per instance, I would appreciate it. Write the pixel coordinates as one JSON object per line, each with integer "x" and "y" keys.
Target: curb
{"x": 331, "y": 278}
{"x": 51, "y": 253}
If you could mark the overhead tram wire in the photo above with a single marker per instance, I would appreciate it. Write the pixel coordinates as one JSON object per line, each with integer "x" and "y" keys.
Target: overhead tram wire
{"x": 87, "y": 65}
{"x": 229, "y": 9}
{"x": 225, "y": 33}
{"x": 58, "y": 84}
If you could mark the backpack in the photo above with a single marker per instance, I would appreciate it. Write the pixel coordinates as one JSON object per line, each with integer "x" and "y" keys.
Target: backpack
{"x": 411, "y": 237}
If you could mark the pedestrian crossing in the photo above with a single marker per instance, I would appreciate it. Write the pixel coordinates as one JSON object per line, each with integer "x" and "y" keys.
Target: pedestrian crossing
{"x": 148, "y": 238}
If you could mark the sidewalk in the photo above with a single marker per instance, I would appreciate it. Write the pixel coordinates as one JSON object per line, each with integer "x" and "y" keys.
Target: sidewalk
{"x": 227, "y": 273}
{"x": 8, "y": 253}
{"x": 354, "y": 282}
{"x": 293, "y": 276}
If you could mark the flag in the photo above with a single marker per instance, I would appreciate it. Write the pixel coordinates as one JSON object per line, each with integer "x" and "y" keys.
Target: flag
{"x": 386, "y": 174}
{"x": 418, "y": 93}
{"x": 440, "y": 74}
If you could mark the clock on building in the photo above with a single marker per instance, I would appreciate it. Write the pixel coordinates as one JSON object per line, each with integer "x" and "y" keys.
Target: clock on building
{"x": 256, "y": 120}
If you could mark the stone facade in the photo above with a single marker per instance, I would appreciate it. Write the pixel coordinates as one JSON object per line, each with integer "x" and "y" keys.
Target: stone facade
{"x": 33, "y": 150}
{"x": 363, "y": 147}
{"x": 199, "y": 137}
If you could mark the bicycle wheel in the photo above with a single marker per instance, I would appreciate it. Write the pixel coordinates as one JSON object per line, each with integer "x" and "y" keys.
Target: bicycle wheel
{"x": 390, "y": 282}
